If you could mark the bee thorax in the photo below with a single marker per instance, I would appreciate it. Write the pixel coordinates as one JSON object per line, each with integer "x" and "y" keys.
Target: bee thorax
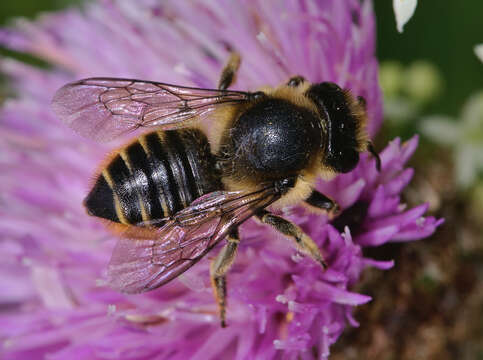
{"x": 273, "y": 139}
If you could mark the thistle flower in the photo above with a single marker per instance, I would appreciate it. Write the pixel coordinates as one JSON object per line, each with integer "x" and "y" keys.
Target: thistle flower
{"x": 54, "y": 303}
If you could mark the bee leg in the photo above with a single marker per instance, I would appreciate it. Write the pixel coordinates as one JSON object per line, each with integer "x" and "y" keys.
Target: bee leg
{"x": 228, "y": 74}
{"x": 219, "y": 267}
{"x": 322, "y": 202}
{"x": 303, "y": 242}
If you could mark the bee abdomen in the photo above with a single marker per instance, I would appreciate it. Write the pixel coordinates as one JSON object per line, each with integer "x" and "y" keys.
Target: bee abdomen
{"x": 154, "y": 177}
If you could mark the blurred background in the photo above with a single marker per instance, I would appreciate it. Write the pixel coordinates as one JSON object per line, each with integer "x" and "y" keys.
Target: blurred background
{"x": 430, "y": 306}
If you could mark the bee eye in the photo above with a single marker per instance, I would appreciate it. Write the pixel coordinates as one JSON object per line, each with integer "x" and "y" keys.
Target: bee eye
{"x": 295, "y": 81}
{"x": 343, "y": 160}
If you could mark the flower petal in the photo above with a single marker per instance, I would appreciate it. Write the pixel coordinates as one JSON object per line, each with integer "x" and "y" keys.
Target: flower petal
{"x": 404, "y": 10}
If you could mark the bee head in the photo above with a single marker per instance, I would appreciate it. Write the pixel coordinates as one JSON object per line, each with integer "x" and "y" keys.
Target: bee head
{"x": 345, "y": 119}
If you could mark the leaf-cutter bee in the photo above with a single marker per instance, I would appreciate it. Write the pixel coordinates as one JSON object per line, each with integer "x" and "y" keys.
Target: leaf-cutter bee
{"x": 176, "y": 193}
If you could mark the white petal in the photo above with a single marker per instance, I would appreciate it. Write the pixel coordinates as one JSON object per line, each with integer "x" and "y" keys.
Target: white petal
{"x": 404, "y": 10}
{"x": 479, "y": 51}
{"x": 472, "y": 114}
{"x": 466, "y": 167}
{"x": 441, "y": 129}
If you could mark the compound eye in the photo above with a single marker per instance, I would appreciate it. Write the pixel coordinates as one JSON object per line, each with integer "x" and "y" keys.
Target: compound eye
{"x": 295, "y": 81}
{"x": 344, "y": 160}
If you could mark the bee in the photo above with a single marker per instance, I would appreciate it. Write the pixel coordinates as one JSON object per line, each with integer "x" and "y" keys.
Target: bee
{"x": 175, "y": 192}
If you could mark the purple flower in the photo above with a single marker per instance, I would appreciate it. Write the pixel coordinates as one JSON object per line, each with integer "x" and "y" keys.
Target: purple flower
{"x": 54, "y": 303}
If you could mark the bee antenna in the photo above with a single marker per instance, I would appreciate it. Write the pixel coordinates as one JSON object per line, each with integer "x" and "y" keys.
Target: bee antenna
{"x": 370, "y": 147}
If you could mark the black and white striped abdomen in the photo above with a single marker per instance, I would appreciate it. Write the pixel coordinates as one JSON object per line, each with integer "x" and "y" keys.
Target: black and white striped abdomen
{"x": 154, "y": 177}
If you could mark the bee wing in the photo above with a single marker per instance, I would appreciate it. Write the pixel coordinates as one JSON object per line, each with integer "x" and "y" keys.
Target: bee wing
{"x": 104, "y": 108}
{"x": 141, "y": 264}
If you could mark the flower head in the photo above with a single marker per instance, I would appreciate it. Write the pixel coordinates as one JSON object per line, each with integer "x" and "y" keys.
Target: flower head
{"x": 54, "y": 256}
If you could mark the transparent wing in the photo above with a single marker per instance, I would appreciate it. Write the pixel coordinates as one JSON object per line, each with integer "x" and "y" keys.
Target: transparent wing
{"x": 142, "y": 263}
{"x": 104, "y": 108}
